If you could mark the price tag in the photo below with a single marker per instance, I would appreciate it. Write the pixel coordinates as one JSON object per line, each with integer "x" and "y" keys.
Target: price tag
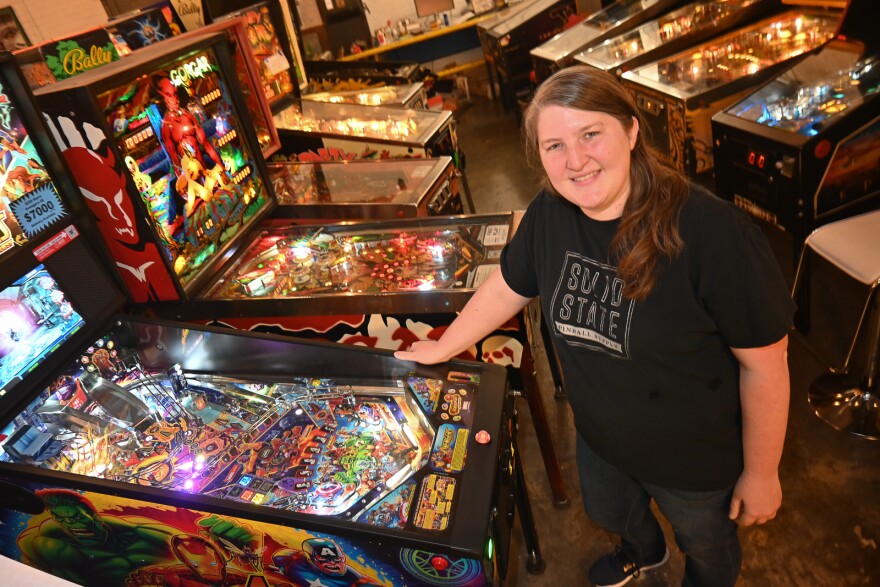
{"x": 276, "y": 63}
{"x": 496, "y": 234}
{"x": 38, "y": 209}
{"x": 55, "y": 243}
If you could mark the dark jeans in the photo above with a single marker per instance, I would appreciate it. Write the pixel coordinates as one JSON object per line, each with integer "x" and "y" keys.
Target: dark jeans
{"x": 622, "y": 505}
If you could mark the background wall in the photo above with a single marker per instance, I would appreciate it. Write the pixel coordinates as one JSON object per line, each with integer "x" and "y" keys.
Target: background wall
{"x": 308, "y": 13}
{"x": 43, "y": 20}
{"x": 381, "y": 11}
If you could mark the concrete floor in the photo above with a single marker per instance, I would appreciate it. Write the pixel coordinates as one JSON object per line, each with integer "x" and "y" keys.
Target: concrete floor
{"x": 828, "y": 531}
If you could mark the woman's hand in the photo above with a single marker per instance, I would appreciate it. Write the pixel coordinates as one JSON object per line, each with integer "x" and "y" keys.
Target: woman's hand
{"x": 756, "y": 499}
{"x": 491, "y": 306}
{"x": 426, "y": 352}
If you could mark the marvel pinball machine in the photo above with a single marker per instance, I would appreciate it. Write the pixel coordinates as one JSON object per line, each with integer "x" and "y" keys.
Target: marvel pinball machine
{"x": 274, "y": 44}
{"x": 506, "y": 43}
{"x": 672, "y": 32}
{"x": 679, "y": 94}
{"x": 412, "y": 95}
{"x": 213, "y": 456}
{"x": 223, "y": 457}
{"x": 165, "y": 161}
{"x": 618, "y": 17}
{"x": 802, "y": 150}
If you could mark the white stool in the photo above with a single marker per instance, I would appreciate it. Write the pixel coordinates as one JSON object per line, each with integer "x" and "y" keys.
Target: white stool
{"x": 848, "y": 401}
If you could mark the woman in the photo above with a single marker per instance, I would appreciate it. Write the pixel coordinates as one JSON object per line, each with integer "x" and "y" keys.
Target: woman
{"x": 670, "y": 317}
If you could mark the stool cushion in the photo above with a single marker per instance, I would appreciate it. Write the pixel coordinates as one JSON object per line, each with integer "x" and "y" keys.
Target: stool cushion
{"x": 852, "y": 244}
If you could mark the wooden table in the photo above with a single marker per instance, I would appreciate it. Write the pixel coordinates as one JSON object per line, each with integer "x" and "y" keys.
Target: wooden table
{"x": 437, "y": 34}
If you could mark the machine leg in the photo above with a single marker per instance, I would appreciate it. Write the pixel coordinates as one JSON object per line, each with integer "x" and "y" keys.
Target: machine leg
{"x": 466, "y": 190}
{"x": 490, "y": 74}
{"x": 542, "y": 430}
{"x": 535, "y": 563}
{"x": 802, "y": 287}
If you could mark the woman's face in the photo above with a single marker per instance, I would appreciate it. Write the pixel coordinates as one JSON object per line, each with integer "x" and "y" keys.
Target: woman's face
{"x": 586, "y": 156}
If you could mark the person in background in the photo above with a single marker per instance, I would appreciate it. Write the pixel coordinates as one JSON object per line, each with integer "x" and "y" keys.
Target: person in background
{"x": 670, "y": 317}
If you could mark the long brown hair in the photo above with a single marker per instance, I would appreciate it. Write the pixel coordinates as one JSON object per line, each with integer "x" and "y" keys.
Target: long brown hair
{"x": 648, "y": 231}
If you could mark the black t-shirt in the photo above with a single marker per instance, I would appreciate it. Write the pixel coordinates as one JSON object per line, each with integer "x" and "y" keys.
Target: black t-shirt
{"x": 653, "y": 385}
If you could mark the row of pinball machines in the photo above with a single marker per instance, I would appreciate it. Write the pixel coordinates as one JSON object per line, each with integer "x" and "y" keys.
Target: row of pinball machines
{"x": 683, "y": 62}
{"x": 136, "y": 450}
{"x": 801, "y": 150}
{"x": 290, "y": 125}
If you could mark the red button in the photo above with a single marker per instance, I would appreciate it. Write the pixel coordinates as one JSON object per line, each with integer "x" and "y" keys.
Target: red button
{"x": 483, "y": 437}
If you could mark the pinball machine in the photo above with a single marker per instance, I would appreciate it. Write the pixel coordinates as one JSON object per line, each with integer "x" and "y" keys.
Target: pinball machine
{"x": 672, "y": 32}
{"x": 323, "y": 130}
{"x": 404, "y": 95}
{"x": 174, "y": 209}
{"x": 344, "y": 122}
{"x": 63, "y": 58}
{"x": 507, "y": 40}
{"x": 232, "y": 457}
{"x": 348, "y": 190}
{"x": 209, "y": 455}
{"x": 143, "y": 27}
{"x": 679, "y": 94}
{"x": 802, "y": 149}
{"x": 500, "y": 14}
{"x": 274, "y": 41}
{"x": 618, "y": 17}
{"x": 251, "y": 77}
{"x": 335, "y": 75}
{"x": 33, "y": 175}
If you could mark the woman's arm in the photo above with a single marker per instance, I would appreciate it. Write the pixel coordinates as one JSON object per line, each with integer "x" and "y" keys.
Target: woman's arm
{"x": 491, "y": 306}
{"x": 764, "y": 391}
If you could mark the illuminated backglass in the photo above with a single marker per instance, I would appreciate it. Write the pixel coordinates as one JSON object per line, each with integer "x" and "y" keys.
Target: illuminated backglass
{"x": 35, "y": 319}
{"x": 182, "y": 145}
{"x": 29, "y": 201}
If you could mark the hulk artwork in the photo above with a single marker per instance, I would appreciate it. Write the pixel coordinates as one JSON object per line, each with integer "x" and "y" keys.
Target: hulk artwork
{"x": 82, "y": 546}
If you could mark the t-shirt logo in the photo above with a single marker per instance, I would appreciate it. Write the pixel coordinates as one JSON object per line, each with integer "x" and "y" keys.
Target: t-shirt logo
{"x": 588, "y": 307}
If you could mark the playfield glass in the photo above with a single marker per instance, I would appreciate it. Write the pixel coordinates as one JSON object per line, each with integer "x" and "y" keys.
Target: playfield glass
{"x": 355, "y": 120}
{"x": 814, "y": 92}
{"x": 29, "y": 201}
{"x": 655, "y": 33}
{"x": 741, "y": 53}
{"x": 383, "y": 452}
{"x": 307, "y": 261}
{"x": 570, "y": 40}
{"x": 383, "y": 96}
{"x": 266, "y": 48}
{"x": 182, "y": 143}
{"x": 520, "y": 14}
{"x": 397, "y": 181}
{"x": 35, "y": 319}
